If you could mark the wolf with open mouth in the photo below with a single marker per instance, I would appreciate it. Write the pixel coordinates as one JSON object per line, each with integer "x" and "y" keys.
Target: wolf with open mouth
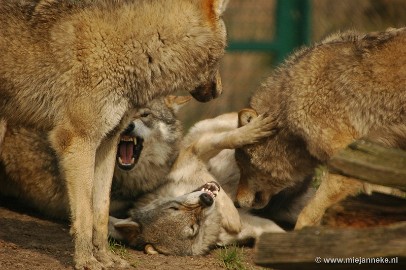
{"x": 147, "y": 150}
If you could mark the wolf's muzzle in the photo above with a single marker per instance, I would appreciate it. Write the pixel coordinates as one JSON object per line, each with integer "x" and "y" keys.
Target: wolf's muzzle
{"x": 208, "y": 91}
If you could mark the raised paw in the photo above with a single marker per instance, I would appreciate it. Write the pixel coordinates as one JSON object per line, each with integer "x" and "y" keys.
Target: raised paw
{"x": 258, "y": 128}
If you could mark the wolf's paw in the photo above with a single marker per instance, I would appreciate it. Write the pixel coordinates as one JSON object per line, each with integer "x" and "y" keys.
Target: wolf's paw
{"x": 110, "y": 260}
{"x": 307, "y": 219}
{"x": 258, "y": 128}
{"x": 230, "y": 221}
{"x": 89, "y": 263}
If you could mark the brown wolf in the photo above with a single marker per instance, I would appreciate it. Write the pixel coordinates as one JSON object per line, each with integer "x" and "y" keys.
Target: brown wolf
{"x": 29, "y": 168}
{"x": 347, "y": 87}
{"x": 75, "y": 68}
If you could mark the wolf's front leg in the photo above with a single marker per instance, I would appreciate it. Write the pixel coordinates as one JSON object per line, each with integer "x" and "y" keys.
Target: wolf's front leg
{"x": 230, "y": 218}
{"x": 210, "y": 145}
{"x": 105, "y": 160}
{"x": 333, "y": 189}
{"x": 76, "y": 154}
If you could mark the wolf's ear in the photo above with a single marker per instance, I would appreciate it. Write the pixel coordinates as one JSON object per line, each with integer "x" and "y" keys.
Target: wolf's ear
{"x": 245, "y": 116}
{"x": 124, "y": 229}
{"x": 214, "y": 8}
{"x": 176, "y": 102}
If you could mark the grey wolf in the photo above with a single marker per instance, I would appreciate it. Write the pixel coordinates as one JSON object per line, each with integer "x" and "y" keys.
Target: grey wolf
{"x": 192, "y": 212}
{"x": 150, "y": 144}
{"x": 76, "y": 68}
{"x": 347, "y": 87}
{"x": 30, "y": 171}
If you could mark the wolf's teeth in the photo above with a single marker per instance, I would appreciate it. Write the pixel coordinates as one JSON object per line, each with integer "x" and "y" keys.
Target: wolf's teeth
{"x": 120, "y": 160}
{"x": 127, "y": 139}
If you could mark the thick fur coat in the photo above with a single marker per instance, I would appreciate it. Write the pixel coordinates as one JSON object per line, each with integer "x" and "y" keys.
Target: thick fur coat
{"x": 347, "y": 87}
{"x": 76, "y": 69}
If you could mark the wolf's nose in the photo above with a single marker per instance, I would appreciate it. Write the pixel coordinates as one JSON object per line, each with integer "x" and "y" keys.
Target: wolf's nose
{"x": 206, "y": 199}
{"x": 130, "y": 128}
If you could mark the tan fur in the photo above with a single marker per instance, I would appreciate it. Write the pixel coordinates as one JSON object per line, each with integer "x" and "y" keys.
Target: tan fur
{"x": 154, "y": 225}
{"x": 30, "y": 170}
{"x": 322, "y": 98}
{"x": 74, "y": 68}
{"x": 3, "y": 128}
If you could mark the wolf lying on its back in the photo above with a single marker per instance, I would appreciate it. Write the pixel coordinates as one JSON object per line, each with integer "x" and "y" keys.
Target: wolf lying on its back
{"x": 349, "y": 86}
{"x": 29, "y": 169}
{"x": 76, "y": 68}
{"x": 191, "y": 213}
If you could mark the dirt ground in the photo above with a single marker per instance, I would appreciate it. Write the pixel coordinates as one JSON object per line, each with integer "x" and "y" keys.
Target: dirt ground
{"x": 31, "y": 242}
{"x": 28, "y": 241}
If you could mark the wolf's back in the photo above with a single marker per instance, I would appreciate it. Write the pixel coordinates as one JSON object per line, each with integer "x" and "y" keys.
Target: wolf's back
{"x": 348, "y": 72}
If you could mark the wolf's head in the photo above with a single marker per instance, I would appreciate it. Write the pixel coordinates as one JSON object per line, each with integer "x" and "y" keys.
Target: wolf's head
{"x": 148, "y": 147}
{"x": 185, "y": 225}
{"x": 273, "y": 164}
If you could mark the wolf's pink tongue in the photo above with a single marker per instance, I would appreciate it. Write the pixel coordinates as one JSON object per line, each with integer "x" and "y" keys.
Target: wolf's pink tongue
{"x": 126, "y": 152}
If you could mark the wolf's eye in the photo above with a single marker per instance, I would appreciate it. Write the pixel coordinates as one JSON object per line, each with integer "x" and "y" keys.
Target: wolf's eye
{"x": 145, "y": 114}
{"x": 174, "y": 208}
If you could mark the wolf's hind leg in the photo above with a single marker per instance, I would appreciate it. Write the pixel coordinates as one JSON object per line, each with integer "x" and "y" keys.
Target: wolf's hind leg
{"x": 333, "y": 189}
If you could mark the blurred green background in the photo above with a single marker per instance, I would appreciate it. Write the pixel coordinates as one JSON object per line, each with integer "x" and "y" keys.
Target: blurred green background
{"x": 255, "y": 21}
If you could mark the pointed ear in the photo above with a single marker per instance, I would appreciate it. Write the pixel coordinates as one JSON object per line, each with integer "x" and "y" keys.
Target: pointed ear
{"x": 124, "y": 229}
{"x": 177, "y": 102}
{"x": 214, "y": 8}
{"x": 245, "y": 116}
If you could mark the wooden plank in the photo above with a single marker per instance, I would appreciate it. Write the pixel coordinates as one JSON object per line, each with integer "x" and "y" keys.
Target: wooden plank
{"x": 372, "y": 163}
{"x": 301, "y": 249}
{"x": 366, "y": 210}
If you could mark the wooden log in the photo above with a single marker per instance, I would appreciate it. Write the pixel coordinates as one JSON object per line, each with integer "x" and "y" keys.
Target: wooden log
{"x": 372, "y": 163}
{"x": 311, "y": 247}
{"x": 366, "y": 210}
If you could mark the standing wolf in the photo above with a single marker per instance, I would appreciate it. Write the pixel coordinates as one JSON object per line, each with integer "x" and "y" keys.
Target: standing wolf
{"x": 75, "y": 68}
{"x": 30, "y": 172}
{"x": 349, "y": 86}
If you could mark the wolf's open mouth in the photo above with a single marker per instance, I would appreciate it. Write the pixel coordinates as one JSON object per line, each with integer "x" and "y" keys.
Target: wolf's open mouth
{"x": 129, "y": 151}
{"x": 211, "y": 188}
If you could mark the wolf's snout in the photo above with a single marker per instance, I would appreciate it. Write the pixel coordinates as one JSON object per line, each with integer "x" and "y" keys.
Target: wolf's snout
{"x": 206, "y": 199}
{"x": 245, "y": 198}
{"x": 208, "y": 91}
{"x": 129, "y": 128}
